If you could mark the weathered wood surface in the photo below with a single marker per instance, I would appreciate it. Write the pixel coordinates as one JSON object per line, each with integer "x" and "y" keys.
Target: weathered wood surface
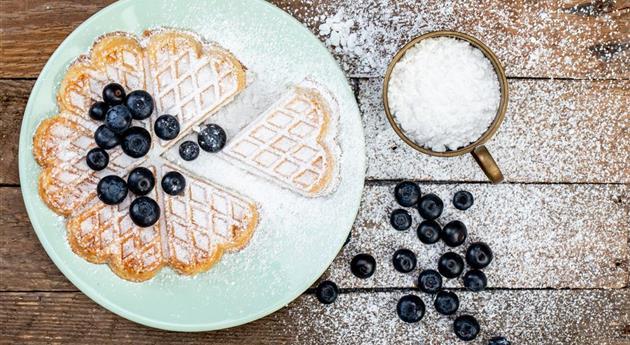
{"x": 551, "y": 38}
{"x": 542, "y": 317}
{"x": 555, "y": 131}
{"x": 540, "y": 244}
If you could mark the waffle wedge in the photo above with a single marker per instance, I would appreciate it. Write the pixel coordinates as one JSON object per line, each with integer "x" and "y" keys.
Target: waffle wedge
{"x": 293, "y": 143}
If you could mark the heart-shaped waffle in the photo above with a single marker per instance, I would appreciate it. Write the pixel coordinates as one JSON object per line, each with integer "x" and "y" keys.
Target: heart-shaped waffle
{"x": 293, "y": 142}
{"x": 191, "y": 80}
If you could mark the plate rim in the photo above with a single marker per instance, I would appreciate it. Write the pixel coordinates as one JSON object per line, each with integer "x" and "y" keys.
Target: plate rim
{"x": 93, "y": 293}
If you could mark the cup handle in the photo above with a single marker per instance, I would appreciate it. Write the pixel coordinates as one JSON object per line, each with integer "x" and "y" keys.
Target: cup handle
{"x": 487, "y": 164}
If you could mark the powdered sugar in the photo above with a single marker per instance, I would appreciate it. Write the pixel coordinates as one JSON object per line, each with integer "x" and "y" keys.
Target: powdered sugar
{"x": 444, "y": 93}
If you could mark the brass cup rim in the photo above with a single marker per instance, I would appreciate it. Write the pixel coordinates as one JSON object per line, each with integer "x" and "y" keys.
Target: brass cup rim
{"x": 498, "y": 68}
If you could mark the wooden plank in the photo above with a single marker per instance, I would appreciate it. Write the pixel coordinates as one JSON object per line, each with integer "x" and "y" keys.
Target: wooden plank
{"x": 24, "y": 264}
{"x": 526, "y": 317}
{"x": 578, "y": 125}
{"x": 551, "y": 38}
{"x": 543, "y": 236}
{"x": 13, "y": 97}
{"x": 554, "y": 131}
{"x": 537, "y": 242}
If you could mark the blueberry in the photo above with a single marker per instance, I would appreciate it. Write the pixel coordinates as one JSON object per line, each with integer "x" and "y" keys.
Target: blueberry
{"x": 140, "y": 104}
{"x": 105, "y": 138}
{"x": 173, "y": 183}
{"x": 400, "y": 219}
{"x": 466, "y": 327}
{"x": 463, "y": 200}
{"x": 363, "y": 266}
{"x": 118, "y": 119}
{"x": 429, "y": 281}
{"x": 98, "y": 111}
{"x": 446, "y": 302}
{"x": 212, "y": 138}
{"x": 327, "y": 292}
{"x": 430, "y": 206}
{"x": 410, "y": 308}
{"x": 429, "y": 232}
{"x": 475, "y": 280}
{"x": 136, "y": 142}
{"x": 189, "y": 150}
{"x": 97, "y": 159}
{"x": 499, "y": 341}
{"x": 166, "y": 127}
{"x": 454, "y": 233}
{"x": 114, "y": 94}
{"x": 404, "y": 260}
{"x": 479, "y": 255}
{"x": 407, "y": 193}
{"x": 144, "y": 211}
{"x": 111, "y": 190}
{"x": 140, "y": 181}
{"x": 450, "y": 265}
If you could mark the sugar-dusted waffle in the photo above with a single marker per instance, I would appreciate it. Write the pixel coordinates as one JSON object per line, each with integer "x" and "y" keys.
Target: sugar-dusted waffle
{"x": 187, "y": 77}
{"x": 293, "y": 143}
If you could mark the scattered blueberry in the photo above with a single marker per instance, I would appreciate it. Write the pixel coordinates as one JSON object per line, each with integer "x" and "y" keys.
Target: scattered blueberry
{"x": 166, "y": 127}
{"x": 404, "y": 260}
{"x": 450, "y": 265}
{"x": 97, "y": 159}
{"x": 400, "y": 219}
{"x": 189, "y": 150}
{"x": 118, "y": 119}
{"x": 136, "y": 142}
{"x": 475, "y": 280}
{"x": 212, "y": 138}
{"x": 363, "y": 266}
{"x": 105, "y": 138}
{"x": 140, "y": 104}
{"x": 429, "y": 232}
{"x": 140, "y": 181}
{"x": 446, "y": 302}
{"x": 499, "y": 341}
{"x": 429, "y": 281}
{"x": 454, "y": 233}
{"x": 410, "y": 308}
{"x": 144, "y": 211}
{"x": 111, "y": 189}
{"x": 327, "y": 292}
{"x": 463, "y": 200}
{"x": 114, "y": 94}
{"x": 466, "y": 327}
{"x": 173, "y": 183}
{"x": 407, "y": 193}
{"x": 98, "y": 111}
{"x": 430, "y": 206}
{"x": 479, "y": 255}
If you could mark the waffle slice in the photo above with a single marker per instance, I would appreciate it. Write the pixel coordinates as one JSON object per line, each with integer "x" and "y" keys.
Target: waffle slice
{"x": 203, "y": 222}
{"x": 293, "y": 142}
{"x": 190, "y": 80}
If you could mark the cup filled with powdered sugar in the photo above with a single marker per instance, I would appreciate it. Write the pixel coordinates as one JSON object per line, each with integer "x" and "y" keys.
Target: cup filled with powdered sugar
{"x": 445, "y": 94}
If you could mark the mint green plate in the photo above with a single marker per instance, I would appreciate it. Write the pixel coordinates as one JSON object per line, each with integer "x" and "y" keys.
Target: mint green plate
{"x": 297, "y": 238}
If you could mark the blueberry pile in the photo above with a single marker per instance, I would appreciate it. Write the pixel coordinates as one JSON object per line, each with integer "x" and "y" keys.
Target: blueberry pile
{"x": 118, "y": 111}
{"x": 450, "y": 265}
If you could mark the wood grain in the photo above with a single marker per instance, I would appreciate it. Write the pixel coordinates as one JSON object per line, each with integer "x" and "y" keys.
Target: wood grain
{"x": 13, "y": 98}
{"x": 540, "y": 244}
{"x": 555, "y": 131}
{"x": 551, "y": 38}
{"x": 525, "y": 317}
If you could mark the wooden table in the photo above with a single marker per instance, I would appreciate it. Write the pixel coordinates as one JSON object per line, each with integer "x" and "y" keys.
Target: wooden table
{"x": 559, "y": 225}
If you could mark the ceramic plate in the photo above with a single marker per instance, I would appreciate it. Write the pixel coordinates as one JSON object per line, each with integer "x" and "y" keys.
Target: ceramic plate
{"x": 297, "y": 237}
